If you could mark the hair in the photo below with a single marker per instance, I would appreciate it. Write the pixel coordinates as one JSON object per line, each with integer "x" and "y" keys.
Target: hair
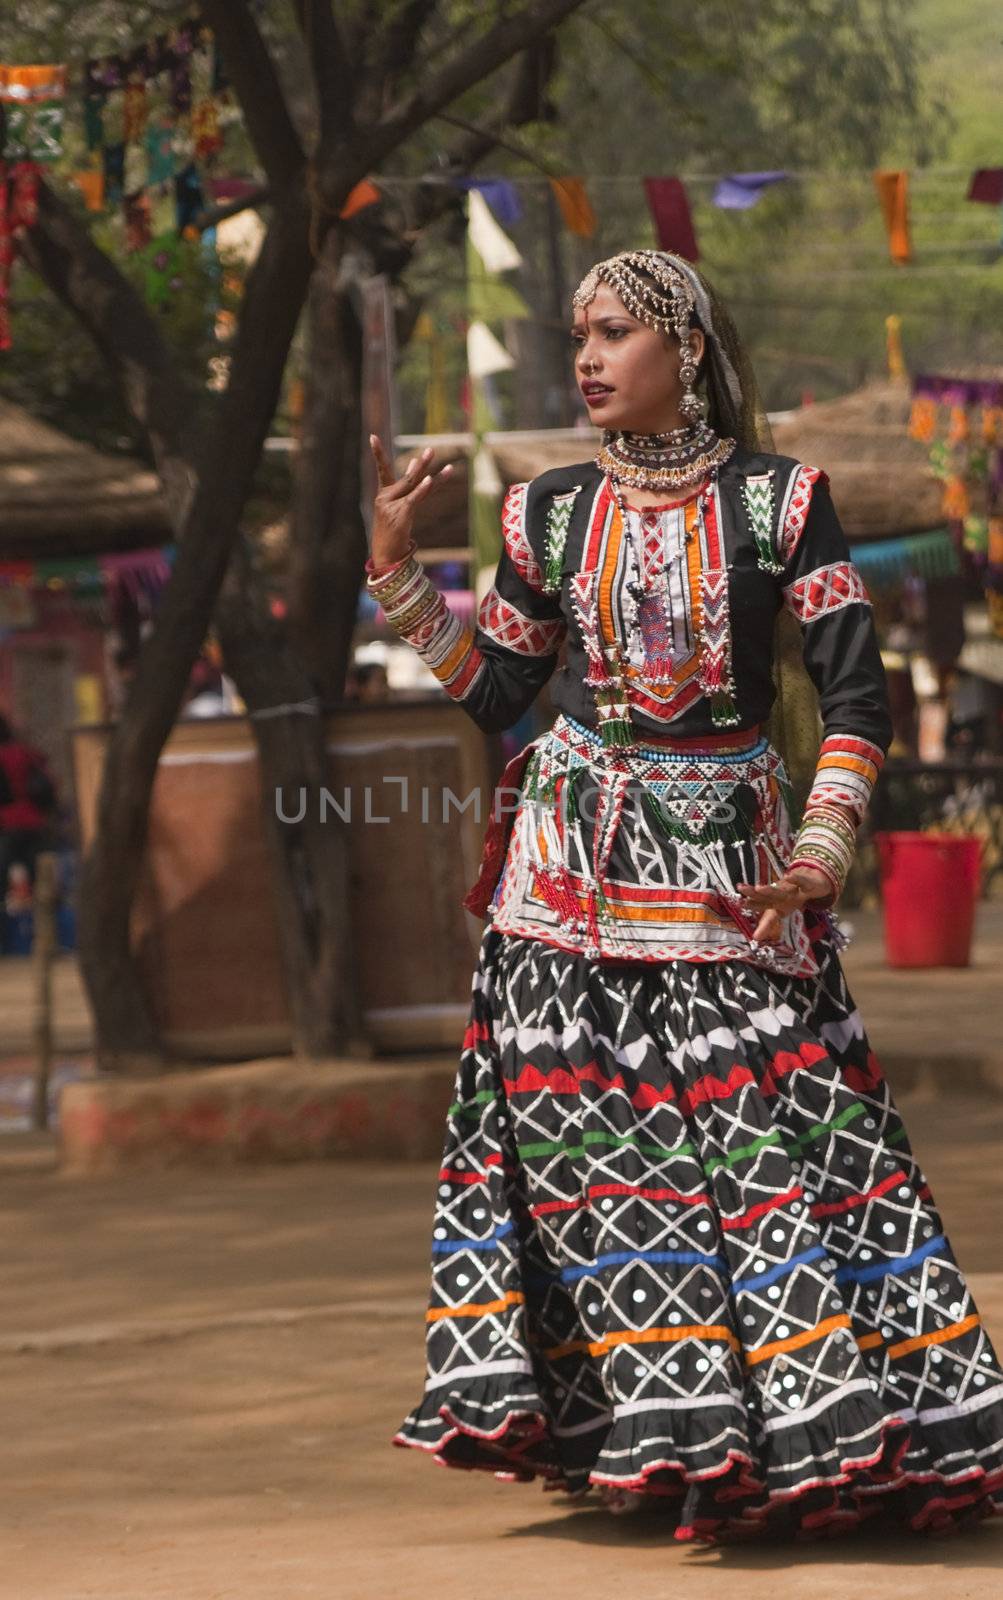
{"x": 6, "y": 731}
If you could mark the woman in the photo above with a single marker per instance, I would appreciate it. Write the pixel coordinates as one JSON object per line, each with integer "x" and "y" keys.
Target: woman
{"x": 683, "y": 1255}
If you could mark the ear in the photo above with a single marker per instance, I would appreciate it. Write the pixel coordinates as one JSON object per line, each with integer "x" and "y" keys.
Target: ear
{"x": 698, "y": 343}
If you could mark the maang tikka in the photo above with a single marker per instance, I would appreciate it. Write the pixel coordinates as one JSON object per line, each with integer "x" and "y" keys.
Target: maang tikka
{"x": 667, "y": 303}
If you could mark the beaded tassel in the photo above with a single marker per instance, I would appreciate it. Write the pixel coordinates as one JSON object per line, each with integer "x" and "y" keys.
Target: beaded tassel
{"x": 558, "y": 523}
{"x": 757, "y": 496}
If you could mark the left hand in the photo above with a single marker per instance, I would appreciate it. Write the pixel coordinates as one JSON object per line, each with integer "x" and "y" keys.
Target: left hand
{"x": 792, "y": 892}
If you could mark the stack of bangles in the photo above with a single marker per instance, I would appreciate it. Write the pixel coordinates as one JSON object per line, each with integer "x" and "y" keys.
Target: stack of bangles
{"x": 403, "y": 590}
{"x": 826, "y": 840}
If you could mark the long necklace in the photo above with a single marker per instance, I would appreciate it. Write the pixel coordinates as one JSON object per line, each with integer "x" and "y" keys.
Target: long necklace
{"x": 647, "y": 584}
{"x": 674, "y": 460}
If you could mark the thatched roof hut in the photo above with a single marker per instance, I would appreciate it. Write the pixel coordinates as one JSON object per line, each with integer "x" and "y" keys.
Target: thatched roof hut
{"x": 881, "y": 479}
{"x": 62, "y": 498}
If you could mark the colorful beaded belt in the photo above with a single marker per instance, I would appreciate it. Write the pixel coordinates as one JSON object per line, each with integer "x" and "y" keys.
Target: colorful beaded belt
{"x": 708, "y": 743}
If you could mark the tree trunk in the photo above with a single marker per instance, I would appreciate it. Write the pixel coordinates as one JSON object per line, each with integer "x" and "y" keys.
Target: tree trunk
{"x": 127, "y": 1037}
{"x": 309, "y": 854}
{"x": 327, "y": 534}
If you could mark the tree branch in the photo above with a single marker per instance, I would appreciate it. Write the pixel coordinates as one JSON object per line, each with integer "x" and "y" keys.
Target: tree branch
{"x": 395, "y": 47}
{"x": 252, "y": 73}
{"x": 437, "y": 89}
{"x": 332, "y": 69}
{"x": 60, "y": 250}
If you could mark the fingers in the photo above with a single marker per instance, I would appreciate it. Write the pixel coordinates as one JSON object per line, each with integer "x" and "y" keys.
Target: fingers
{"x": 430, "y": 482}
{"x": 396, "y": 488}
{"x": 769, "y": 929}
{"x": 384, "y": 470}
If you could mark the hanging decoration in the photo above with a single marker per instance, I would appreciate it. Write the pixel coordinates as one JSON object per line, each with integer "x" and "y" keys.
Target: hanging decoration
{"x": 576, "y": 209}
{"x": 500, "y": 194}
{"x": 32, "y": 100}
{"x": 490, "y": 252}
{"x": 151, "y": 114}
{"x": 961, "y": 420}
{"x": 364, "y": 194}
{"x": 741, "y": 190}
{"x": 893, "y": 196}
{"x": 18, "y": 210}
{"x": 987, "y": 186}
{"x": 134, "y": 571}
{"x": 669, "y": 205}
{"x": 893, "y": 347}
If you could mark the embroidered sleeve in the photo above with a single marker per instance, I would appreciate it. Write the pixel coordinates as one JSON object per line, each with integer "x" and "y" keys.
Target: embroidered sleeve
{"x": 823, "y": 589}
{"x": 496, "y": 669}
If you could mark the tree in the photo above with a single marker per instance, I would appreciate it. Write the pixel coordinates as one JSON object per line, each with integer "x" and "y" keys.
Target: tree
{"x": 377, "y": 80}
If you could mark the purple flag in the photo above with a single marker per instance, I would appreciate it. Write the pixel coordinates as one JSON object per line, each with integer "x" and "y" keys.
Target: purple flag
{"x": 500, "y": 195}
{"x": 740, "y": 190}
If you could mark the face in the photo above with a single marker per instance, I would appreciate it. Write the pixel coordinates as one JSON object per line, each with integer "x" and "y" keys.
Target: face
{"x": 628, "y": 373}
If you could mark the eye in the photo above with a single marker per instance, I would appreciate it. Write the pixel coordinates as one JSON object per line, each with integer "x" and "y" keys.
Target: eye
{"x": 576, "y": 337}
{"x": 616, "y": 333}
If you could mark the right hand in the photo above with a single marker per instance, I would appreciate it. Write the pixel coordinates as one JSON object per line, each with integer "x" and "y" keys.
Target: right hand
{"x": 396, "y": 501}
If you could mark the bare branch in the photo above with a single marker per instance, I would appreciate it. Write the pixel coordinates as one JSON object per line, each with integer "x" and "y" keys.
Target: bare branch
{"x": 252, "y": 73}
{"x": 395, "y": 49}
{"x": 437, "y": 88}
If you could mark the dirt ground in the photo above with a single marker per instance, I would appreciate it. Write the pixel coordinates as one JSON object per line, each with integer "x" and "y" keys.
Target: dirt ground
{"x": 200, "y": 1374}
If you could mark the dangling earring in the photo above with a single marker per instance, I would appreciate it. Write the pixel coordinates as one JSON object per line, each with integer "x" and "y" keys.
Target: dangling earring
{"x": 689, "y": 405}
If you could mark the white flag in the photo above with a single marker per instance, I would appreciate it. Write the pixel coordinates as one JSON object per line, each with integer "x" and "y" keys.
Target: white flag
{"x": 487, "y": 479}
{"x": 494, "y": 247}
{"x": 484, "y": 352}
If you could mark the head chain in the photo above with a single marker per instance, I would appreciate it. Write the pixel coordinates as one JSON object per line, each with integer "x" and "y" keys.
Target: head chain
{"x": 667, "y": 307}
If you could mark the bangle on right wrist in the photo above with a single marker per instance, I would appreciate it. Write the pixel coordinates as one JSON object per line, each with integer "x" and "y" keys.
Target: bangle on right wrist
{"x": 380, "y": 571}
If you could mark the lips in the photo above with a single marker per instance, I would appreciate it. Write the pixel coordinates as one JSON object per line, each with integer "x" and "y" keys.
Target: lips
{"x": 595, "y": 392}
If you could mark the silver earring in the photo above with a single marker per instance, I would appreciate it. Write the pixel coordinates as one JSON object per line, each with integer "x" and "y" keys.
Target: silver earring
{"x": 689, "y": 405}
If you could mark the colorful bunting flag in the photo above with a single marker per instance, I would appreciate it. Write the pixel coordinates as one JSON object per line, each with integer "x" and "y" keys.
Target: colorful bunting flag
{"x": 987, "y": 186}
{"x": 893, "y": 194}
{"x": 90, "y": 182}
{"x": 32, "y": 99}
{"x": 740, "y": 190}
{"x": 500, "y": 194}
{"x": 485, "y": 353}
{"x": 494, "y": 247}
{"x": 669, "y": 205}
{"x": 364, "y": 194}
{"x": 579, "y": 218}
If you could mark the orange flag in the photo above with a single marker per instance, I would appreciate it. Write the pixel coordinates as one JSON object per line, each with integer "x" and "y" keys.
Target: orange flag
{"x": 364, "y": 194}
{"x": 892, "y": 190}
{"x": 575, "y": 208}
{"x": 91, "y": 185}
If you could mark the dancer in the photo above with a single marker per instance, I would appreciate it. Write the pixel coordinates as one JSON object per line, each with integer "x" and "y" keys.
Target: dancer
{"x": 683, "y": 1256}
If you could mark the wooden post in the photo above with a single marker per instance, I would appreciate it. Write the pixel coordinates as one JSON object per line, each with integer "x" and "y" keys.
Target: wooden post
{"x": 43, "y": 950}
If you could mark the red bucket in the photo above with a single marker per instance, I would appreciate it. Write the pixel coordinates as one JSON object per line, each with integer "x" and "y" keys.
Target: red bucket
{"x": 929, "y": 888}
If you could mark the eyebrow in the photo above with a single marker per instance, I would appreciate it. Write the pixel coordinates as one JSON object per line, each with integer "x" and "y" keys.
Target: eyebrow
{"x": 603, "y": 322}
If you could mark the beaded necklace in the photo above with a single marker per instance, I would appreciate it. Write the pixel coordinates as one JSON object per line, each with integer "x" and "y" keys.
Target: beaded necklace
{"x": 674, "y": 460}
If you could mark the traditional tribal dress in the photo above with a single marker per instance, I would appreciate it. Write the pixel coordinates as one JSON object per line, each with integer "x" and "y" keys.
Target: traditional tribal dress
{"x": 681, "y": 1244}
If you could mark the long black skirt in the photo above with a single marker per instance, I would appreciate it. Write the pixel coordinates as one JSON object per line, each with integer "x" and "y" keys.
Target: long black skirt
{"x": 682, "y": 1249}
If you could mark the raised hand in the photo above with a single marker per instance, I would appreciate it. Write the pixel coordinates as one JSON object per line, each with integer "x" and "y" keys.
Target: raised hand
{"x": 397, "y": 499}
{"x": 792, "y": 892}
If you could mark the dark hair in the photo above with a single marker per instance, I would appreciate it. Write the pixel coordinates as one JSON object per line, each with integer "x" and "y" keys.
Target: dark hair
{"x": 6, "y": 732}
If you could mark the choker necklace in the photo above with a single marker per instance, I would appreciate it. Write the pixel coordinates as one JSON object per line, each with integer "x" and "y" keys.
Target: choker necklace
{"x": 674, "y": 460}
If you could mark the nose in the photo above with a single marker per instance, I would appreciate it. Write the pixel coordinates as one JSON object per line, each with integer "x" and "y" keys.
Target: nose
{"x": 587, "y": 361}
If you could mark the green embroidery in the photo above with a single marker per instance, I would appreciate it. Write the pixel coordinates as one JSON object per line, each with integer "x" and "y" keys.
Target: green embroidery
{"x": 757, "y": 496}
{"x": 558, "y": 523}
